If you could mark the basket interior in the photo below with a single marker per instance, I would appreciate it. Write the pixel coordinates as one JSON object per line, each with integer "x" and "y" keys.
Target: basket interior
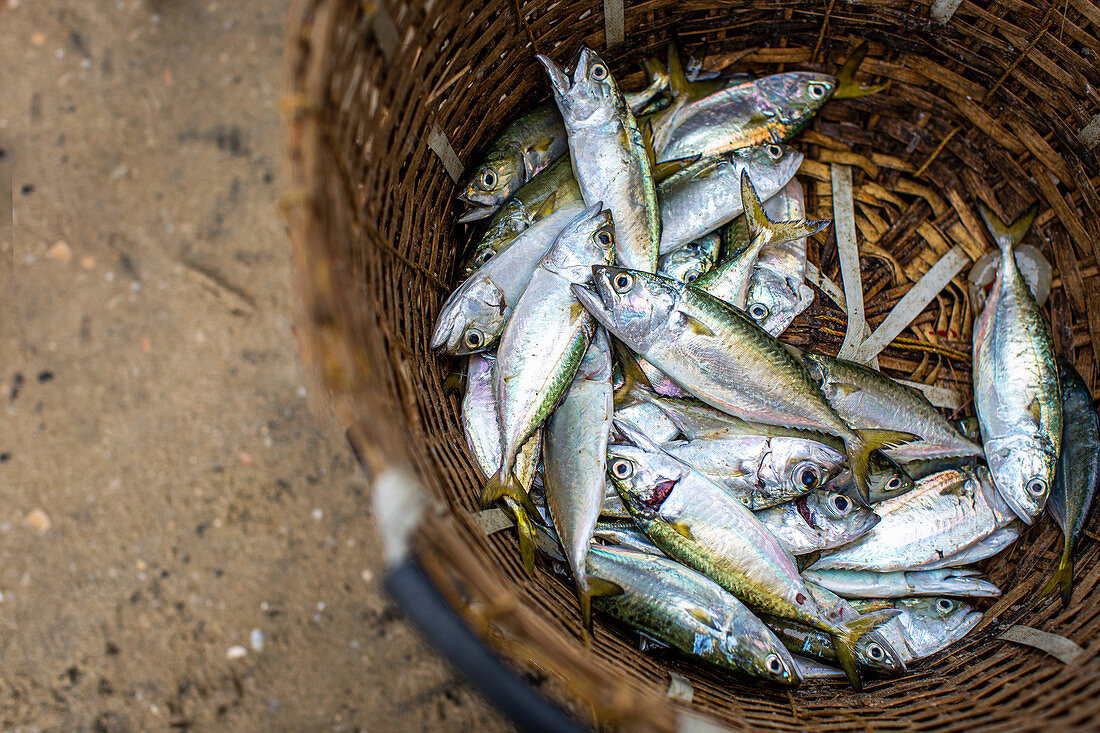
{"x": 372, "y": 217}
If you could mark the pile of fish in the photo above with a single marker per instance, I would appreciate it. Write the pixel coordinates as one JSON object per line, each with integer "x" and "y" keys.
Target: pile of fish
{"x": 723, "y": 492}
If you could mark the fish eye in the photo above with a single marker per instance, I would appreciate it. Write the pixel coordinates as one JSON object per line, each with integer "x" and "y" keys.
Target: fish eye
{"x": 485, "y": 256}
{"x": 1036, "y": 487}
{"x": 774, "y": 664}
{"x": 875, "y": 652}
{"x": 474, "y": 338}
{"x": 489, "y": 178}
{"x": 817, "y": 91}
{"x": 841, "y": 503}
{"x": 893, "y": 484}
{"x": 604, "y": 238}
{"x": 944, "y": 605}
{"x": 759, "y": 311}
{"x": 622, "y": 468}
{"x": 599, "y": 72}
{"x": 774, "y": 151}
{"x": 806, "y": 477}
{"x": 622, "y": 282}
{"x": 691, "y": 277}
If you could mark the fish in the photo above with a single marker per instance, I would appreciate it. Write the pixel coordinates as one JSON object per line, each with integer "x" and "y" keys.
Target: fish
{"x": 609, "y": 155}
{"x": 731, "y": 280}
{"x": 697, "y": 523}
{"x": 694, "y": 259}
{"x": 925, "y": 625}
{"x": 481, "y": 426}
{"x": 817, "y": 521}
{"x": 901, "y": 583}
{"x": 944, "y": 514}
{"x": 545, "y": 340}
{"x": 689, "y": 612}
{"x": 1077, "y": 474}
{"x": 707, "y": 194}
{"x": 872, "y": 650}
{"x": 530, "y": 144}
{"x": 474, "y": 316}
{"x": 866, "y": 398}
{"x": 1017, "y": 394}
{"x": 715, "y": 116}
{"x": 722, "y": 357}
{"x": 574, "y": 454}
{"x": 777, "y": 289}
{"x": 624, "y": 533}
{"x": 761, "y": 471}
{"x": 696, "y": 420}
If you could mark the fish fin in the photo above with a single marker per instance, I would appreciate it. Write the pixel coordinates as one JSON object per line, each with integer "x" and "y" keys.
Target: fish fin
{"x": 632, "y": 373}
{"x": 498, "y": 487}
{"x": 600, "y": 588}
{"x": 665, "y": 170}
{"x": 695, "y": 325}
{"x": 455, "y": 383}
{"x": 859, "y": 454}
{"x": 677, "y": 82}
{"x": 760, "y": 226}
{"x": 845, "y": 389}
{"x": 1035, "y": 409}
{"x": 543, "y": 145}
{"x": 846, "y": 85}
{"x": 546, "y": 206}
{"x": 851, "y": 632}
{"x": 804, "y": 561}
{"x": 846, "y": 656}
{"x": 654, "y": 70}
{"x": 576, "y": 310}
{"x": 703, "y": 616}
{"x": 682, "y": 529}
{"x": 647, "y": 643}
{"x": 525, "y": 533}
{"x": 647, "y": 142}
{"x": 1007, "y": 236}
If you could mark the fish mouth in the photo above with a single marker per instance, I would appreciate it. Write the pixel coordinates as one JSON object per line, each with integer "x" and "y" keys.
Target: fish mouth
{"x": 804, "y": 511}
{"x": 558, "y": 79}
{"x": 1027, "y": 514}
{"x": 478, "y": 211}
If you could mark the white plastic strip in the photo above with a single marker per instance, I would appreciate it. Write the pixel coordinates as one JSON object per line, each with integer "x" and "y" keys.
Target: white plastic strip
{"x": 441, "y": 146}
{"x": 613, "y": 22}
{"x": 942, "y": 10}
{"x": 844, "y": 221}
{"x": 679, "y": 687}
{"x": 1090, "y": 133}
{"x": 385, "y": 32}
{"x": 1064, "y": 650}
{"x": 825, "y": 285}
{"x": 493, "y": 520}
{"x": 914, "y": 302}
{"x": 938, "y": 396}
{"x": 399, "y": 503}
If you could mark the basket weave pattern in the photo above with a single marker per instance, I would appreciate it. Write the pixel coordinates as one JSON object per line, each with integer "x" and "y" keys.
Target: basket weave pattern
{"x": 988, "y": 106}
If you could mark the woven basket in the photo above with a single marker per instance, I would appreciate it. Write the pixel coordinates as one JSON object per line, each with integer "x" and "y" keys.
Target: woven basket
{"x": 991, "y": 103}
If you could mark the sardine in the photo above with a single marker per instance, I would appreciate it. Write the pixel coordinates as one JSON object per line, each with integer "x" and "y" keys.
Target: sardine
{"x": 609, "y": 156}
{"x": 1016, "y": 389}
{"x": 575, "y": 451}
{"x": 817, "y": 521}
{"x": 944, "y": 514}
{"x": 689, "y": 612}
{"x": 697, "y": 523}
{"x": 1078, "y": 473}
{"x": 545, "y": 339}
{"x": 866, "y": 398}
{"x": 707, "y": 194}
{"x": 901, "y": 583}
{"x": 925, "y": 625}
{"x": 692, "y": 260}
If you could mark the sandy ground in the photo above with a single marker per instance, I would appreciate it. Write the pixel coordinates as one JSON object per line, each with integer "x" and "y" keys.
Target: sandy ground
{"x": 181, "y": 544}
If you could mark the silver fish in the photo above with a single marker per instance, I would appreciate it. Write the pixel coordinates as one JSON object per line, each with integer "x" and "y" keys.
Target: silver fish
{"x": 901, "y": 583}
{"x": 609, "y": 156}
{"x": 1016, "y": 390}
{"x": 944, "y": 514}
{"x": 697, "y": 523}
{"x": 474, "y": 316}
{"x": 545, "y": 339}
{"x": 817, "y": 521}
{"x": 689, "y": 612}
{"x": 925, "y": 625}
{"x": 692, "y": 260}
{"x": 866, "y": 398}
{"x": 574, "y": 452}
{"x": 758, "y": 470}
{"x": 707, "y": 194}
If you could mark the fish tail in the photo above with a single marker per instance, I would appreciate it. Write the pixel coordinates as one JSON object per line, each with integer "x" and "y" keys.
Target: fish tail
{"x": 763, "y": 228}
{"x": 499, "y": 486}
{"x": 846, "y": 636}
{"x": 1062, "y": 578}
{"x": 525, "y": 533}
{"x": 677, "y": 80}
{"x": 1008, "y": 236}
{"x": 654, "y": 71}
{"x": 859, "y": 447}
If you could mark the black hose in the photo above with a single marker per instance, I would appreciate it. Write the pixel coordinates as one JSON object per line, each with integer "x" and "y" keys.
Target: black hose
{"x": 423, "y": 604}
